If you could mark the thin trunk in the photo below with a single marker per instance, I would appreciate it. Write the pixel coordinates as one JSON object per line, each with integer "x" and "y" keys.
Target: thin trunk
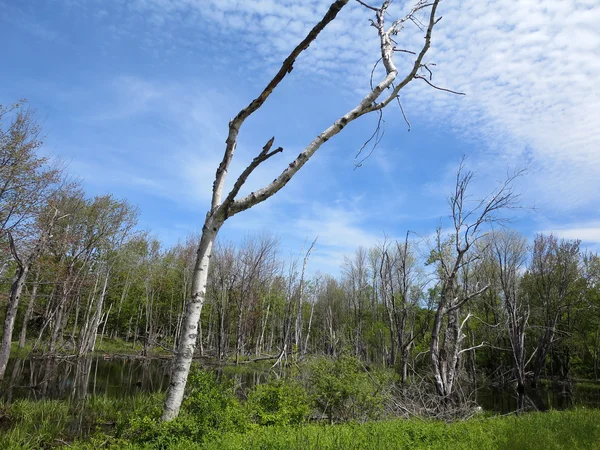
{"x": 104, "y": 326}
{"x": 261, "y": 340}
{"x": 129, "y": 329}
{"x": 89, "y": 339}
{"x": 76, "y": 322}
{"x": 11, "y": 314}
{"x": 121, "y": 300}
{"x": 542, "y": 352}
{"x": 238, "y": 339}
{"x": 29, "y": 311}
{"x": 86, "y": 322}
{"x": 137, "y": 323}
{"x": 312, "y": 310}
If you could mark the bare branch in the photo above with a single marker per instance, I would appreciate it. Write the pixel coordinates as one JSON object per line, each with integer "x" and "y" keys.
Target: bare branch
{"x": 262, "y": 156}
{"x": 286, "y": 67}
{"x": 410, "y": 76}
{"x": 402, "y": 50}
{"x": 403, "y": 113}
{"x": 372, "y": 8}
{"x": 377, "y": 135}
{"x": 365, "y": 106}
{"x": 420, "y": 77}
{"x": 471, "y": 348}
{"x": 13, "y": 249}
{"x": 373, "y": 73}
{"x": 468, "y": 297}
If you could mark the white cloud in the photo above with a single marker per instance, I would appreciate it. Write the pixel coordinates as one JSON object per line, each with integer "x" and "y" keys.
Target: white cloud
{"x": 530, "y": 69}
{"x": 588, "y": 233}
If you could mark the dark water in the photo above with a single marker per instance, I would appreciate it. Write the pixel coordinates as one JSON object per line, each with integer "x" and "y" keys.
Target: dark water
{"x": 543, "y": 398}
{"x": 62, "y": 378}
{"x": 38, "y": 378}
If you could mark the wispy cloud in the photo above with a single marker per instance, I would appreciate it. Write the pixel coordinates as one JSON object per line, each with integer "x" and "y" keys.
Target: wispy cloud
{"x": 587, "y": 232}
{"x": 529, "y": 69}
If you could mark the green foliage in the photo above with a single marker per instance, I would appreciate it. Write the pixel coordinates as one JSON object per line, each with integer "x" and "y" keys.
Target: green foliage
{"x": 278, "y": 402}
{"x": 343, "y": 389}
{"x": 38, "y": 423}
{"x": 212, "y": 403}
{"x": 47, "y": 423}
{"x": 134, "y": 423}
{"x": 576, "y": 429}
{"x": 210, "y": 407}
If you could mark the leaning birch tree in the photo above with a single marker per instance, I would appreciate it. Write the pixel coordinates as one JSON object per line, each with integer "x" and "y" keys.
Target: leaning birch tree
{"x": 224, "y": 206}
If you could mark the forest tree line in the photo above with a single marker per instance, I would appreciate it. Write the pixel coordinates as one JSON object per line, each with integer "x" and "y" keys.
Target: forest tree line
{"x": 475, "y": 301}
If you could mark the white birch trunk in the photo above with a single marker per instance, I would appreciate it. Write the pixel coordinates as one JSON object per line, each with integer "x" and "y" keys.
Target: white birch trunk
{"x": 189, "y": 329}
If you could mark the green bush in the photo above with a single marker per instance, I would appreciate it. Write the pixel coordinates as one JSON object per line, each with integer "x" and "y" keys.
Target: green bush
{"x": 210, "y": 407}
{"x": 343, "y": 390}
{"x": 213, "y": 404}
{"x": 278, "y": 402}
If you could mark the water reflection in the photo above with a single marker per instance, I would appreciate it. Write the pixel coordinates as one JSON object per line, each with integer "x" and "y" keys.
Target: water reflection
{"x": 37, "y": 378}
{"x": 62, "y": 378}
{"x": 541, "y": 399}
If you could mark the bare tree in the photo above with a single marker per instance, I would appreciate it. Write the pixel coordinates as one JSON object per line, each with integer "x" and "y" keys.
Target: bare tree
{"x": 509, "y": 250}
{"x": 400, "y": 290}
{"x": 222, "y": 209}
{"x": 453, "y": 257}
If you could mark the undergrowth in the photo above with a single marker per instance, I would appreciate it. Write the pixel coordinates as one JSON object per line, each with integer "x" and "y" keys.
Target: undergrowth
{"x": 327, "y": 404}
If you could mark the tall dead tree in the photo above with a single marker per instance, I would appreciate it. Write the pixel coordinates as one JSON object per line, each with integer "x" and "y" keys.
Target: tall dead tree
{"x": 225, "y": 206}
{"x": 453, "y": 256}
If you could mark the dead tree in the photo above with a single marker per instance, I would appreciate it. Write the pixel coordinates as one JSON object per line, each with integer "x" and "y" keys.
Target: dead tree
{"x": 400, "y": 282}
{"x": 225, "y": 206}
{"x": 453, "y": 256}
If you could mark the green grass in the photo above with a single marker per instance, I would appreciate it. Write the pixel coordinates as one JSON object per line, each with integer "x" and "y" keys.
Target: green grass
{"x": 48, "y": 424}
{"x": 29, "y": 424}
{"x": 575, "y": 429}
{"x": 212, "y": 417}
{"x": 116, "y": 346}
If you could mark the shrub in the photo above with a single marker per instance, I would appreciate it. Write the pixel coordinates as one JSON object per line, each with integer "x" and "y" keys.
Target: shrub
{"x": 210, "y": 407}
{"x": 278, "y": 402}
{"x": 342, "y": 389}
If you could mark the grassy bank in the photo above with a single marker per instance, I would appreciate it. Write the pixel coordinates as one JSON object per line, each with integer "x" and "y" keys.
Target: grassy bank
{"x": 54, "y": 424}
{"x": 292, "y": 412}
{"x": 575, "y": 429}
{"x": 110, "y": 347}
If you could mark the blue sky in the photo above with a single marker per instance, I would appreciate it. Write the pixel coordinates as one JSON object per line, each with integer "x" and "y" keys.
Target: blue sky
{"x": 136, "y": 95}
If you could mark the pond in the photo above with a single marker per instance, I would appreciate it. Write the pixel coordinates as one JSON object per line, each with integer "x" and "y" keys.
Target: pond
{"x": 543, "y": 398}
{"x": 62, "y": 378}
{"x": 38, "y": 378}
